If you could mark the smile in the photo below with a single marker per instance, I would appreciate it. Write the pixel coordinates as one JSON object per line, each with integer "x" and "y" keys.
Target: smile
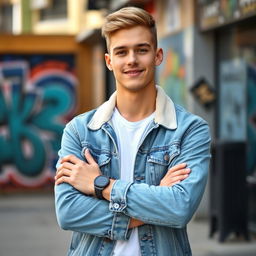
{"x": 135, "y": 72}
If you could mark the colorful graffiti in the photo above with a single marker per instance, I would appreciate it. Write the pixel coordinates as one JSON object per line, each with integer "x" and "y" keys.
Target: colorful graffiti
{"x": 37, "y": 97}
{"x": 172, "y": 70}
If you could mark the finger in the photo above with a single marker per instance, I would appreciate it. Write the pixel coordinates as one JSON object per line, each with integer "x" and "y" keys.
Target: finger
{"x": 178, "y": 167}
{"x": 65, "y": 165}
{"x": 176, "y": 176}
{"x": 179, "y": 178}
{"x": 170, "y": 182}
{"x": 173, "y": 180}
{"x": 68, "y": 165}
{"x": 60, "y": 167}
{"x": 180, "y": 172}
{"x": 63, "y": 172}
{"x": 89, "y": 157}
{"x": 183, "y": 177}
{"x": 63, "y": 179}
{"x": 70, "y": 158}
{"x": 178, "y": 181}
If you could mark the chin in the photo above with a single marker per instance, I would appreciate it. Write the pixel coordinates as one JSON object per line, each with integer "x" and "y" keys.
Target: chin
{"x": 135, "y": 88}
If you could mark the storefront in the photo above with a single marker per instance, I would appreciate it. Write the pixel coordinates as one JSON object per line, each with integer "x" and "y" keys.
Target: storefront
{"x": 233, "y": 23}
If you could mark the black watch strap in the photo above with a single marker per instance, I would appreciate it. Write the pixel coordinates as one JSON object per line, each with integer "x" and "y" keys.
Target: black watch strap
{"x": 98, "y": 192}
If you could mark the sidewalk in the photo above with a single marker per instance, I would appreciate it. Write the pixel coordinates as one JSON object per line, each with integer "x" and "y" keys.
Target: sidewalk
{"x": 28, "y": 228}
{"x": 201, "y": 245}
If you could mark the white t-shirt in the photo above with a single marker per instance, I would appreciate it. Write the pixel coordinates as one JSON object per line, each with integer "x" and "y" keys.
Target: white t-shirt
{"x": 129, "y": 135}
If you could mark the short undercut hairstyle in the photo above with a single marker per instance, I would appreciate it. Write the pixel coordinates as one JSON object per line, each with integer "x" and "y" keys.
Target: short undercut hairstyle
{"x": 128, "y": 17}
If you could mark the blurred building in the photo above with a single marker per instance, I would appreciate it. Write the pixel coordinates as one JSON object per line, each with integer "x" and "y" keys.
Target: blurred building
{"x": 232, "y": 27}
{"x": 209, "y": 68}
{"x": 45, "y": 79}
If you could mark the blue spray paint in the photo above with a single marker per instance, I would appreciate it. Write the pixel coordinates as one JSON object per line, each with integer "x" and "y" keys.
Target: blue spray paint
{"x": 33, "y": 112}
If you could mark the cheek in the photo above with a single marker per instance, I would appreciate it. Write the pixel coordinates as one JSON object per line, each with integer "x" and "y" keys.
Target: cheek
{"x": 151, "y": 66}
{"x": 116, "y": 65}
{"x": 116, "y": 71}
{"x": 150, "y": 62}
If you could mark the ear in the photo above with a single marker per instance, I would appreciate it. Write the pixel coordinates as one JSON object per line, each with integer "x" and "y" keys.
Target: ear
{"x": 108, "y": 61}
{"x": 159, "y": 56}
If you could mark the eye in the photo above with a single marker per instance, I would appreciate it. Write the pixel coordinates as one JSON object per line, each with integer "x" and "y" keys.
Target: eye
{"x": 121, "y": 53}
{"x": 142, "y": 50}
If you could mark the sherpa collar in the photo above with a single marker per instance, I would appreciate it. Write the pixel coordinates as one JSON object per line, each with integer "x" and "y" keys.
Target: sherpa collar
{"x": 165, "y": 111}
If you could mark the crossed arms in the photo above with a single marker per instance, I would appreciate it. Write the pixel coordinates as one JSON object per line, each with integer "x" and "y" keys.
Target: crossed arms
{"x": 81, "y": 175}
{"x": 173, "y": 205}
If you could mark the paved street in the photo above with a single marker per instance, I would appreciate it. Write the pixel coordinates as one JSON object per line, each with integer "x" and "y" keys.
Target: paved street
{"x": 198, "y": 232}
{"x": 28, "y": 228}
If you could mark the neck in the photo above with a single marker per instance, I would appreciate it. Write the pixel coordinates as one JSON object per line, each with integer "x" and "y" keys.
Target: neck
{"x": 135, "y": 106}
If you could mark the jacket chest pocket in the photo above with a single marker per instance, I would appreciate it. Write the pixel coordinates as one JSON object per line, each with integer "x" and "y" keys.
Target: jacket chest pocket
{"x": 159, "y": 161}
{"x": 102, "y": 158}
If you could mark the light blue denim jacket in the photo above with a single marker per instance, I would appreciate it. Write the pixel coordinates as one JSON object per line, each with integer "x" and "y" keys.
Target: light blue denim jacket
{"x": 174, "y": 136}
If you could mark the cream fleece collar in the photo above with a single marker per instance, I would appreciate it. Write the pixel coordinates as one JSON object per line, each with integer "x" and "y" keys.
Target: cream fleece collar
{"x": 165, "y": 111}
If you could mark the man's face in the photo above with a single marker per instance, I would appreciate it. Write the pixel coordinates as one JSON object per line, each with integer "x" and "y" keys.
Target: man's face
{"x": 132, "y": 57}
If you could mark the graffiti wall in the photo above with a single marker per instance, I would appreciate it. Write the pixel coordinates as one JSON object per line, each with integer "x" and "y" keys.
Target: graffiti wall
{"x": 37, "y": 98}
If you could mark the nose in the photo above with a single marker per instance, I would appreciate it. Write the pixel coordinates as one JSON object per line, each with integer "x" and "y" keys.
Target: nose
{"x": 132, "y": 58}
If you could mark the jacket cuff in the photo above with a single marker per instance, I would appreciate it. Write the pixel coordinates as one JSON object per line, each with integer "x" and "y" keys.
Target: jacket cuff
{"x": 117, "y": 205}
{"x": 118, "y": 201}
{"x": 120, "y": 227}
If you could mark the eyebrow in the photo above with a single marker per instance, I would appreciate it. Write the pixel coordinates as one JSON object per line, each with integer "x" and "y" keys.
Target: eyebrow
{"x": 137, "y": 45}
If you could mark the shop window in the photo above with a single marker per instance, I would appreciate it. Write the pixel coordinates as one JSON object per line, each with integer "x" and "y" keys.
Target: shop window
{"x": 6, "y": 18}
{"x": 237, "y": 97}
{"x": 57, "y": 9}
{"x": 97, "y": 5}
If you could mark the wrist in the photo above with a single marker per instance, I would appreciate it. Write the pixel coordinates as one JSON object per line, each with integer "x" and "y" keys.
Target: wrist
{"x": 106, "y": 193}
{"x": 134, "y": 223}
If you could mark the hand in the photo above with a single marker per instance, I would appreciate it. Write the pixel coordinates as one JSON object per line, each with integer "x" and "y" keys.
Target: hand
{"x": 78, "y": 173}
{"x": 135, "y": 223}
{"x": 175, "y": 175}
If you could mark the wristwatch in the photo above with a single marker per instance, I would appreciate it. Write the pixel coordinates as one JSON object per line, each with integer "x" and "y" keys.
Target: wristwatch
{"x": 100, "y": 183}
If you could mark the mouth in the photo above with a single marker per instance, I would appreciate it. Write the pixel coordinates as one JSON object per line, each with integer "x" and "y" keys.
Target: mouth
{"x": 133, "y": 72}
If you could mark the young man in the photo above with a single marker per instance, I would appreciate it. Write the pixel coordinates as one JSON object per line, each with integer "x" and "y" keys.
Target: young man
{"x": 132, "y": 172}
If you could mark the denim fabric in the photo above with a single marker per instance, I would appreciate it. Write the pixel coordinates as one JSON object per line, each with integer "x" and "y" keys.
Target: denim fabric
{"x": 174, "y": 136}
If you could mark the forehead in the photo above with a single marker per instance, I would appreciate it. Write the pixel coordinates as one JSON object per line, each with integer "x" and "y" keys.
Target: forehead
{"x": 130, "y": 37}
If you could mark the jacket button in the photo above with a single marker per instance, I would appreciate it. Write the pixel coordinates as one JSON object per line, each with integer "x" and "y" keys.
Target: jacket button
{"x": 116, "y": 206}
{"x": 166, "y": 157}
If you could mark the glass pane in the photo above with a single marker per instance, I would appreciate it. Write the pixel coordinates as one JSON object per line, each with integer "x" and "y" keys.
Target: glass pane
{"x": 57, "y": 10}
{"x": 6, "y": 19}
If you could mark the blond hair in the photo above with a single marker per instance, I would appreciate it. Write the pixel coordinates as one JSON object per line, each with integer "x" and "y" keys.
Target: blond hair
{"x": 128, "y": 17}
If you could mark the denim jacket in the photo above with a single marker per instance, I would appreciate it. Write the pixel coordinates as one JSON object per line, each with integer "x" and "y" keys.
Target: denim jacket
{"x": 174, "y": 136}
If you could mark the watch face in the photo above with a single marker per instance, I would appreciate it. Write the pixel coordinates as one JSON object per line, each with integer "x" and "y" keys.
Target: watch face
{"x": 101, "y": 181}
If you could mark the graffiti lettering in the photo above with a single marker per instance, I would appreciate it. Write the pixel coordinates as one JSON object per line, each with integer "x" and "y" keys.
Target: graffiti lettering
{"x": 32, "y": 116}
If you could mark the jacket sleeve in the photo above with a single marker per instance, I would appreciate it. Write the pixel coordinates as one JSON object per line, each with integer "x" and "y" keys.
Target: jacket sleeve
{"x": 169, "y": 206}
{"x": 78, "y": 212}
